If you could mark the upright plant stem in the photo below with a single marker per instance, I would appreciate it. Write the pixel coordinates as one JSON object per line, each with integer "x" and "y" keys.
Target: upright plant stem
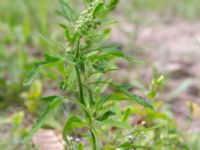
{"x": 81, "y": 92}
{"x": 79, "y": 76}
{"x": 93, "y": 140}
{"x": 80, "y": 86}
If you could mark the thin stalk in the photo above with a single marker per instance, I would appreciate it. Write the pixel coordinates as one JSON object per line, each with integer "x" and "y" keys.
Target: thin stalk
{"x": 81, "y": 94}
{"x": 80, "y": 86}
{"x": 93, "y": 140}
{"x": 79, "y": 76}
{"x": 78, "y": 48}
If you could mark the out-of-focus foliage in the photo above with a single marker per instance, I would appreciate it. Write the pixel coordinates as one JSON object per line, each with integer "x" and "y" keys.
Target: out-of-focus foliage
{"x": 21, "y": 22}
{"x": 24, "y": 26}
{"x": 184, "y": 8}
{"x": 31, "y": 98}
{"x": 11, "y": 132}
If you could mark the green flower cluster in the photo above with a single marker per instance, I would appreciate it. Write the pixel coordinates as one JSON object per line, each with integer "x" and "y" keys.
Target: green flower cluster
{"x": 86, "y": 21}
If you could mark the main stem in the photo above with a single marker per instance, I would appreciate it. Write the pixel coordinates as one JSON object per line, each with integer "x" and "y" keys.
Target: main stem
{"x": 80, "y": 85}
{"x": 77, "y": 54}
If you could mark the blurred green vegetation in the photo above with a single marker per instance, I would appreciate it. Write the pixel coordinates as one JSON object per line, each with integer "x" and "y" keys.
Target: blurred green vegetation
{"x": 21, "y": 24}
{"x": 188, "y": 9}
{"x": 22, "y": 21}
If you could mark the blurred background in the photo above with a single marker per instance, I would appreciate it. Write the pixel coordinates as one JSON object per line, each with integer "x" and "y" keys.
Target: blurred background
{"x": 164, "y": 34}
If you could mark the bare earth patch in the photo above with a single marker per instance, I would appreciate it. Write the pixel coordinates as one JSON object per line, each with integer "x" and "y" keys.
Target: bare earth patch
{"x": 174, "y": 49}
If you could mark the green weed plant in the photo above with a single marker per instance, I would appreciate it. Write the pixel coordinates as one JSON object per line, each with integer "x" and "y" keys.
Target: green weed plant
{"x": 83, "y": 64}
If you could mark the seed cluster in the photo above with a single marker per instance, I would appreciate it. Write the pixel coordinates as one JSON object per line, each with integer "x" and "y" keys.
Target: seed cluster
{"x": 86, "y": 21}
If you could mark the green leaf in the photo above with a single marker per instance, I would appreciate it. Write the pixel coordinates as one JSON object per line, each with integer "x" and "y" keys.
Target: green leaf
{"x": 31, "y": 76}
{"x": 108, "y": 22}
{"x": 106, "y": 115}
{"x": 131, "y": 96}
{"x": 97, "y": 9}
{"x": 126, "y": 114}
{"x": 80, "y": 146}
{"x": 146, "y": 129}
{"x": 116, "y": 124}
{"x": 88, "y": 1}
{"x": 67, "y": 33}
{"x": 52, "y": 42}
{"x": 49, "y": 61}
{"x": 50, "y": 58}
{"x": 132, "y": 59}
{"x": 118, "y": 111}
{"x": 74, "y": 39}
{"x": 112, "y": 4}
{"x": 128, "y": 145}
{"x": 48, "y": 73}
{"x": 91, "y": 99}
{"x": 35, "y": 89}
{"x": 49, "y": 98}
{"x": 67, "y": 11}
{"x": 112, "y": 50}
{"x": 72, "y": 122}
{"x": 136, "y": 98}
{"x": 102, "y": 100}
{"x": 39, "y": 122}
{"x": 70, "y": 78}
